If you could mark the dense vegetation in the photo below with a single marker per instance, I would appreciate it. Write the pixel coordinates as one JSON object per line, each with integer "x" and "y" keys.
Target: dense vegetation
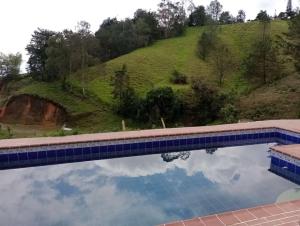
{"x": 221, "y": 69}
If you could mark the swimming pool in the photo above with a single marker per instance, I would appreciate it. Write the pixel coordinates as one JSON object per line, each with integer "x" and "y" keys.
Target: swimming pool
{"x": 144, "y": 190}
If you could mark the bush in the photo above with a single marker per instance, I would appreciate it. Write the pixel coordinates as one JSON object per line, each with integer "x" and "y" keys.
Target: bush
{"x": 202, "y": 104}
{"x": 229, "y": 114}
{"x": 178, "y": 78}
{"x": 129, "y": 104}
{"x": 160, "y": 103}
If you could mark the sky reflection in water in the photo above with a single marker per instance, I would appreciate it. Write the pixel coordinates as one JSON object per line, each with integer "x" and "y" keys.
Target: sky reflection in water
{"x": 141, "y": 190}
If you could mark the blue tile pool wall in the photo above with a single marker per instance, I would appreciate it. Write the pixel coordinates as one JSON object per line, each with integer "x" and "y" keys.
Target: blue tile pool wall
{"x": 47, "y": 155}
{"x": 286, "y": 169}
{"x": 287, "y": 137}
{"x": 285, "y": 166}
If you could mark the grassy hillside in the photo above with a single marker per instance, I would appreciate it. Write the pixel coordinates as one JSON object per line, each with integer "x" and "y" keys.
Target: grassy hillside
{"x": 152, "y": 67}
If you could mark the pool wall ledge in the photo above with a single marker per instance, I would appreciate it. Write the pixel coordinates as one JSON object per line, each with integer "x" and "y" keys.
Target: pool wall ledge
{"x": 28, "y": 152}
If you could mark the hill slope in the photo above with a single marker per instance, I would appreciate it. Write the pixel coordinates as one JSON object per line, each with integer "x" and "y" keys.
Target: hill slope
{"x": 152, "y": 67}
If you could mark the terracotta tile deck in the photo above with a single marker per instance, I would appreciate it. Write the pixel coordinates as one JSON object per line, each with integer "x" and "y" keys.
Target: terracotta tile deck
{"x": 291, "y": 125}
{"x": 289, "y": 150}
{"x": 283, "y": 214}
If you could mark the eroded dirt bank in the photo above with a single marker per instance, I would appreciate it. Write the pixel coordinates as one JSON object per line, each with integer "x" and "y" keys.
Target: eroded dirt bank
{"x": 32, "y": 110}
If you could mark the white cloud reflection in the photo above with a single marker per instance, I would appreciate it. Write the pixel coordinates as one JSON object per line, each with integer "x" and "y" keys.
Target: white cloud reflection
{"x": 95, "y": 193}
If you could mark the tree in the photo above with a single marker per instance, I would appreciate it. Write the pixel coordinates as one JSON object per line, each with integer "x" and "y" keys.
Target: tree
{"x": 222, "y": 61}
{"x": 215, "y": 9}
{"x": 198, "y": 17}
{"x": 226, "y": 18}
{"x": 58, "y": 57}
{"x": 202, "y": 104}
{"x": 121, "y": 37}
{"x": 129, "y": 104}
{"x": 263, "y": 16}
{"x": 241, "y": 17}
{"x": 161, "y": 103}
{"x": 10, "y": 65}
{"x": 37, "y": 53}
{"x": 262, "y": 63}
{"x": 207, "y": 42}
{"x": 171, "y": 18}
{"x": 120, "y": 83}
{"x": 147, "y": 25}
{"x": 88, "y": 47}
{"x": 293, "y": 39}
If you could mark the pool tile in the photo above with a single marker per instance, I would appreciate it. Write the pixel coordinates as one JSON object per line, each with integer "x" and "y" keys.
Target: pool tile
{"x": 175, "y": 224}
{"x": 291, "y": 219}
{"x": 194, "y": 222}
{"x": 287, "y": 206}
{"x": 4, "y": 158}
{"x": 290, "y": 224}
{"x": 244, "y": 215}
{"x": 296, "y": 203}
{"x": 273, "y": 210}
{"x": 13, "y": 157}
{"x": 95, "y": 150}
{"x": 212, "y": 220}
{"x": 259, "y": 212}
{"x": 61, "y": 153}
{"x": 256, "y": 221}
{"x": 42, "y": 155}
{"x": 22, "y": 157}
{"x": 228, "y": 218}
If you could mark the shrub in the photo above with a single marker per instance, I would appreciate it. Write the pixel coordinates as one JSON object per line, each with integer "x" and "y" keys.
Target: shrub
{"x": 160, "y": 103}
{"x": 129, "y": 104}
{"x": 229, "y": 113}
{"x": 178, "y": 78}
{"x": 202, "y": 104}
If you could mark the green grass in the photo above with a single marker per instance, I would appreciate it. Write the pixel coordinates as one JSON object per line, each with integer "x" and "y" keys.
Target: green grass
{"x": 152, "y": 66}
{"x": 54, "y": 92}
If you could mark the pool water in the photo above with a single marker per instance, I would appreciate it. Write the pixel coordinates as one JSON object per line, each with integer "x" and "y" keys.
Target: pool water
{"x": 141, "y": 191}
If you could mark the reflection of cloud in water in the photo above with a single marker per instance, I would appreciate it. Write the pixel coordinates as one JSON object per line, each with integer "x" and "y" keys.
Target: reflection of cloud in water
{"x": 89, "y": 193}
{"x": 29, "y": 197}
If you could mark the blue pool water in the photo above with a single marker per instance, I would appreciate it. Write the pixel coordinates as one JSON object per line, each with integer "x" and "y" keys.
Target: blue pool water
{"x": 141, "y": 191}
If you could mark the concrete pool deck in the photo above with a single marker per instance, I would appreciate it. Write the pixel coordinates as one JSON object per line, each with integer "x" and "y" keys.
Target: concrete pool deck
{"x": 288, "y": 150}
{"x": 283, "y": 214}
{"x": 288, "y": 125}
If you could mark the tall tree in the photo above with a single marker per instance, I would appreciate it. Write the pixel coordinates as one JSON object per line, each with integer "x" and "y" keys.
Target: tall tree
{"x": 201, "y": 103}
{"x": 87, "y": 42}
{"x": 10, "y": 66}
{"x": 171, "y": 18}
{"x": 207, "y": 42}
{"x": 226, "y": 18}
{"x": 120, "y": 83}
{"x": 293, "y": 39}
{"x": 241, "y": 17}
{"x": 37, "y": 53}
{"x": 121, "y": 37}
{"x": 263, "y": 16}
{"x": 198, "y": 17}
{"x": 147, "y": 25}
{"x": 262, "y": 62}
{"x": 222, "y": 60}
{"x": 58, "y": 57}
{"x": 161, "y": 103}
{"x": 215, "y": 9}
